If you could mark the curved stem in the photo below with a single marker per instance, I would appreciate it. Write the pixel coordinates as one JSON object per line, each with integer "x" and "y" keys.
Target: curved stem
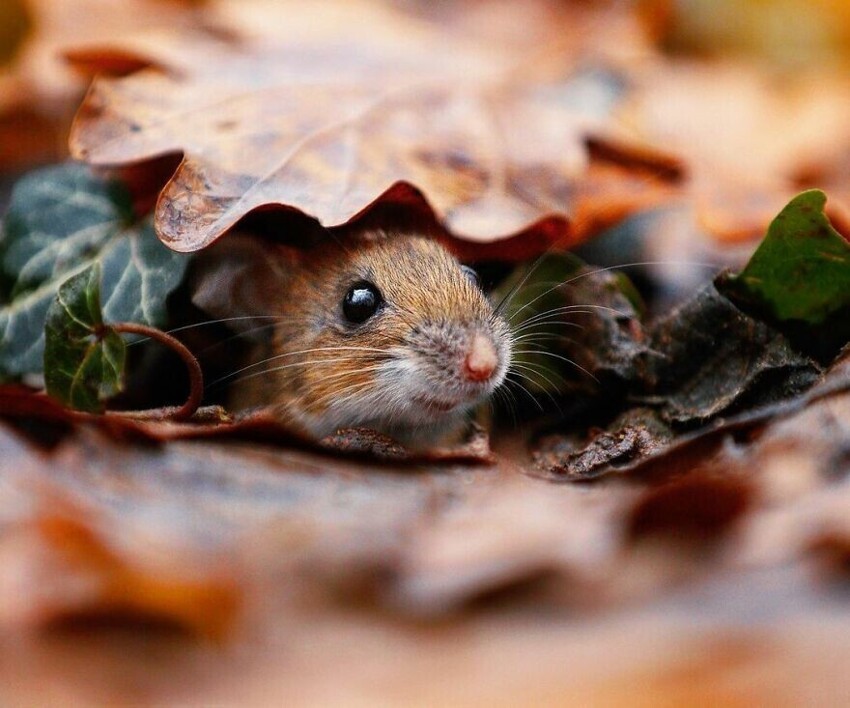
{"x": 196, "y": 377}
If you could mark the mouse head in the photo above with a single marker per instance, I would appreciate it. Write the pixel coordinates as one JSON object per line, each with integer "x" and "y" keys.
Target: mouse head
{"x": 389, "y": 332}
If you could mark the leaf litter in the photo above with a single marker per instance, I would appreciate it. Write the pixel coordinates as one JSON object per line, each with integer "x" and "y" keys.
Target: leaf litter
{"x": 719, "y": 510}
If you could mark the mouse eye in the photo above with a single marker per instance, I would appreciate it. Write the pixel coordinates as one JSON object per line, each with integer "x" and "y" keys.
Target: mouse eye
{"x": 471, "y": 275}
{"x": 361, "y": 302}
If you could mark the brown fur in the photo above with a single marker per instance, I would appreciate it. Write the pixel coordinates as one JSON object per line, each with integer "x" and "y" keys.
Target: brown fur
{"x": 431, "y": 311}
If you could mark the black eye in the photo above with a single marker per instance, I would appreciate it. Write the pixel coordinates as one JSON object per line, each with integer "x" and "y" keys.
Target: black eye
{"x": 361, "y": 302}
{"x": 471, "y": 275}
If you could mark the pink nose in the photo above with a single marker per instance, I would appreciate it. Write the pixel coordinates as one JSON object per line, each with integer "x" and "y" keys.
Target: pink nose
{"x": 481, "y": 359}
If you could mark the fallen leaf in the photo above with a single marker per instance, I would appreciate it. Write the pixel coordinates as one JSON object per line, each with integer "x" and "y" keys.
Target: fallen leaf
{"x": 715, "y": 359}
{"x": 60, "y": 27}
{"x": 365, "y": 125}
{"x": 360, "y": 442}
{"x": 633, "y": 436}
{"x": 46, "y": 422}
{"x": 701, "y": 447}
{"x": 34, "y": 413}
{"x": 578, "y": 328}
{"x": 39, "y": 91}
{"x": 703, "y": 360}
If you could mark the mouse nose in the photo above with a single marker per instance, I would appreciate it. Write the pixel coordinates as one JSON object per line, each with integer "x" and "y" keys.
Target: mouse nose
{"x": 481, "y": 359}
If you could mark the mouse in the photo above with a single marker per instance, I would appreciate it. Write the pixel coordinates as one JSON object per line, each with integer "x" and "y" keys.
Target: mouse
{"x": 380, "y": 330}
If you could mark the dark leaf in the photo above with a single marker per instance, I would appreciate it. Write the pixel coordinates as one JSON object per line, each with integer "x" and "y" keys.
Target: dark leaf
{"x": 700, "y": 447}
{"x": 633, "y": 436}
{"x": 46, "y": 423}
{"x": 716, "y": 359}
{"x": 83, "y": 359}
{"x": 703, "y": 360}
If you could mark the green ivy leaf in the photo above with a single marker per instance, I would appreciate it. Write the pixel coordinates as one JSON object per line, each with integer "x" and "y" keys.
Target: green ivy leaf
{"x": 801, "y": 270}
{"x": 61, "y": 221}
{"x": 83, "y": 358}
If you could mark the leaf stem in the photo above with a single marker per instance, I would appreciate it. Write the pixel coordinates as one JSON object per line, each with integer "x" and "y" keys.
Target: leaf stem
{"x": 196, "y": 377}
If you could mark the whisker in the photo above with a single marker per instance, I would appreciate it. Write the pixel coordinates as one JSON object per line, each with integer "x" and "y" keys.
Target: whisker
{"x": 529, "y": 337}
{"x": 233, "y": 337}
{"x": 223, "y": 320}
{"x": 543, "y": 352}
{"x": 543, "y": 388}
{"x": 311, "y": 362}
{"x": 312, "y": 351}
{"x": 522, "y": 388}
{"x": 500, "y": 396}
{"x": 596, "y": 271}
{"x": 539, "y": 371}
{"x": 552, "y": 320}
{"x": 572, "y": 308}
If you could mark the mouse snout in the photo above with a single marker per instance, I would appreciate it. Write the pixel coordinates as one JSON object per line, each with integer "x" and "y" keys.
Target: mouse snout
{"x": 481, "y": 360}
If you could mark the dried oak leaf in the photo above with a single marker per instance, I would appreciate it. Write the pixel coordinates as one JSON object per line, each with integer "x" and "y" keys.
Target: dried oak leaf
{"x": 39, "y": 91}
{"x": 336, "y": 124}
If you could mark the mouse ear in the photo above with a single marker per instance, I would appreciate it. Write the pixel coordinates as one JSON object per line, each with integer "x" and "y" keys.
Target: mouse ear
{"x": 238, "y": 279}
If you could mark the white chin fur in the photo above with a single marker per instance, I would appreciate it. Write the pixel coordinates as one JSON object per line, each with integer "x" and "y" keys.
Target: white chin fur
{"x": 398, "y": 397}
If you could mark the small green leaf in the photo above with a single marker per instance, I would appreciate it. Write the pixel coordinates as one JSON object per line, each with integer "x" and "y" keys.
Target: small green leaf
{"x": 83, "y": 358}
{"x": 61, "y": 221}
{"x": 801, "y": 270}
